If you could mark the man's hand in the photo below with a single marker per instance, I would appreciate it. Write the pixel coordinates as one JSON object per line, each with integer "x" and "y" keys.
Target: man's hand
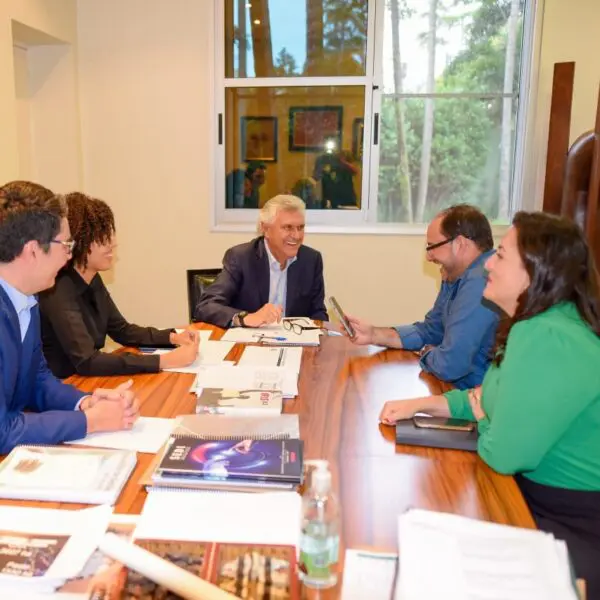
{"x": 122, "y": 393}
{"x": 363, "y": 331}
{"x": 182, "y": 356}
{"x": 185, "y": 337}
{"x": 110, "y": 415}
{"x": 269, "y": 313}
{"x": 425, "y": 349}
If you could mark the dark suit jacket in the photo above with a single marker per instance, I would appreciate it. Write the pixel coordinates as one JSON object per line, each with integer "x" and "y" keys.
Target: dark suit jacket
{"x": 77, "y": 317}
{"x": 244, "y": 285}
{"x": 26, "y": 383}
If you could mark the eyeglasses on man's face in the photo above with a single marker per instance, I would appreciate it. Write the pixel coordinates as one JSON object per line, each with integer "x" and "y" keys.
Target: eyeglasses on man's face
{"x": 431, "y": 247}
{"x": 68, "y": 245}
{"x": 296, "y": 326}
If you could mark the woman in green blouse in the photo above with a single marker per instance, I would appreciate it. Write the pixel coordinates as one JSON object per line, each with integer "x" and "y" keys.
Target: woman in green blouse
{"x": 538, "y": 410}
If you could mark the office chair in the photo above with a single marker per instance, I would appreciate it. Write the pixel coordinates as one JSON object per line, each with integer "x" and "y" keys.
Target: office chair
{"x": 197, "y": 281}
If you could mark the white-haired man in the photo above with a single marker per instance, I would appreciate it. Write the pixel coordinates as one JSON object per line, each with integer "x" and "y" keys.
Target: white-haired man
{"x": 270, "y": 277}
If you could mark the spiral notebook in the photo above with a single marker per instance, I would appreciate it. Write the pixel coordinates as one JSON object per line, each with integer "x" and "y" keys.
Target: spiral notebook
{"x": 62, "y": 474}
{"x": 225, "y": 427}
{"x": 191, "y": 458}
{"x": 278, "y": 427}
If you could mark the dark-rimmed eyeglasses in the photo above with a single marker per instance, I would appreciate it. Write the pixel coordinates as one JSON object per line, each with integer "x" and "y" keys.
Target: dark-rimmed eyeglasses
{"x": 68, "y": 245}
{"x": 431, "y": 247}
{"x": 296, "y": 326}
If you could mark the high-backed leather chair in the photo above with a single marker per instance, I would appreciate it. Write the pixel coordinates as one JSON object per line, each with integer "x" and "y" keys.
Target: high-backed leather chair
{"x": 197, "y": 281}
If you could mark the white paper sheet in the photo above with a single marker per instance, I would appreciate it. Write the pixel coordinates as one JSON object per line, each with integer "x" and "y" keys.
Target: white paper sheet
{"x": 85, "y": 527}
{"x": 267, "y": 518}
{"x": 368, "y": 575}
{"x": 275, "y": 335}
{"x": 241, "y": 378}
{"x": 148, "y": 435}
{"x": 209, "y": 353}
{"x": 259, "y": 356}
{"x": 476, "y": 559}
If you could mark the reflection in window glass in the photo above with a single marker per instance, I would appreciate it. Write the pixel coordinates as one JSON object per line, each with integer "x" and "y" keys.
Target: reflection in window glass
{"x": 301, "y": 140}
{"x": 448, "y": 117}
{"x": 286, "y": 38}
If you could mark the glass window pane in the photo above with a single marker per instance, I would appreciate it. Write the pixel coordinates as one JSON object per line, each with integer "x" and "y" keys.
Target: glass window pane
{"x": 468, "y": 157}
{"x": 301, "y": 140}
{"x": 433, "y": 46}
{"x": 285, "y": 38}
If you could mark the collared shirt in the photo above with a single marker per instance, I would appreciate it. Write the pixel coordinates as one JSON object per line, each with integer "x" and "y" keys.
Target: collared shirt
{"x": 77, "y": 317}
{"x": 23, "y": 305}
{"x": 461, "y": 327}
{"x": 278, "y": 279}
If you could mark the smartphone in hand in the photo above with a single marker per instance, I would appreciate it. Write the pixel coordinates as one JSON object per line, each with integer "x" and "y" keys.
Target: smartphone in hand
{"x": 337, "y": 309}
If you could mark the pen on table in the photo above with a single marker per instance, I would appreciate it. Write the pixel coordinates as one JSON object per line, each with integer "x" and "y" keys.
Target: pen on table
{"x": 269, "y": 337}
{"x": 280, "y": 358}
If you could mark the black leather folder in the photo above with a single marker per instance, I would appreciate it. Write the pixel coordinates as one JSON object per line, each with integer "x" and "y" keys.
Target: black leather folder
{"x": 408, "y": 433}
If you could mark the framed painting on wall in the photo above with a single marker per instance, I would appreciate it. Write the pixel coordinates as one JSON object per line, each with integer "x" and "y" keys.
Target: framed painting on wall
{"x": 259, "y": 139}
{"x": 315, "y": 128}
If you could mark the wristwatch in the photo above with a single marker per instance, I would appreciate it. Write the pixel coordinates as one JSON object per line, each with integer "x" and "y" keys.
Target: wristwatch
{"x": 238, "y": 319}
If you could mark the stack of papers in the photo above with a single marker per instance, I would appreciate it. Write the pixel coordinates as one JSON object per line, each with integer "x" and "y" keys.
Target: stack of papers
{"x": 259, "y": 356}
{"x": 476, "y": 559}
{"x": 275, "y": 335}
{"x": 41, "y": 548}
{"x": 247, "y": 378}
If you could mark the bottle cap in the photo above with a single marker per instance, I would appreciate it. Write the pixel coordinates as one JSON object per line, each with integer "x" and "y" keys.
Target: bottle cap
{"x": 321, "y": 476}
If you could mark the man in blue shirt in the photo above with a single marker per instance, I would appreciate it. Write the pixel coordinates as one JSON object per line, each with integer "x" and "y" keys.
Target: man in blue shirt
{"x": 456, "y": 337}
{"x": 35, "y": 407}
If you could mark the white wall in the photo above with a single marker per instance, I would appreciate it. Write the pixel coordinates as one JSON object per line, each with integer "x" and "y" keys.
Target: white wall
{"x": 146, "y": 76}
{"x": 39, "y": 108}
{"x": 23, "y": 114}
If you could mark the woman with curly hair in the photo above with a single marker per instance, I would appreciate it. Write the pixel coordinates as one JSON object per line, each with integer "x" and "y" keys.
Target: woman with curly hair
{"x": 78, "y": 313}
{"x": 538, "y": 410}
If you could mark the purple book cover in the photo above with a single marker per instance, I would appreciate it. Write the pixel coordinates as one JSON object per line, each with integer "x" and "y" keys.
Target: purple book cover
{"x": 279, "y": 460}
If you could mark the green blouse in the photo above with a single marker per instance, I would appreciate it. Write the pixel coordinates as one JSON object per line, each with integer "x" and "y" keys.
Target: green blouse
{"x": 542, "y": 404}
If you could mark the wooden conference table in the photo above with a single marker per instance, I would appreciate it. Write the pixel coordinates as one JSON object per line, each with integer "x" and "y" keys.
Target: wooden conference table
{"x": 341, "y": 391}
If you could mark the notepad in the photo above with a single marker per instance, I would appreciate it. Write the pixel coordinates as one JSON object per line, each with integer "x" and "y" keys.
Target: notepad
{"x": 148, "y": 434}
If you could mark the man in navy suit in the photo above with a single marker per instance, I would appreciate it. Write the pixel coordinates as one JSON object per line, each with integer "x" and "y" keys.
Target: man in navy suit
{"x": 271, "y": 277}
{"x": 35, "y": 243}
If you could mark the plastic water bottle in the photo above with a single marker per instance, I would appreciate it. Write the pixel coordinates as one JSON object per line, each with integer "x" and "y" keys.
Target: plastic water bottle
{"x": 319, "y": 543}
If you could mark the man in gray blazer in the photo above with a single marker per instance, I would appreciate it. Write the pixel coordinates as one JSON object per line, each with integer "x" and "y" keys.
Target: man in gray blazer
{"x": 270, "y": 277}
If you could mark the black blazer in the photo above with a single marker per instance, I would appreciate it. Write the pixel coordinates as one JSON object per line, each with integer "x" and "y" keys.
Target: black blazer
{"x": 77, "y": 317}
{"x": 243, "y": 284}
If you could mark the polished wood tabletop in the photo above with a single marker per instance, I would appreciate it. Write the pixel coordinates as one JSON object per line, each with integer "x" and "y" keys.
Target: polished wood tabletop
{"x": 341, "y": 391}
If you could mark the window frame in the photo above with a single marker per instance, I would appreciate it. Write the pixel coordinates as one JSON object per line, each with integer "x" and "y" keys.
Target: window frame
{"x": 364, "y": 220}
